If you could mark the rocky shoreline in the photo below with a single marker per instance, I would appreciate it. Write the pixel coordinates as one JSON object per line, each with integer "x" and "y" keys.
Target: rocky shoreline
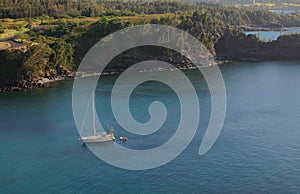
{"x": 115, "y": 67}
{"x": 41, "y": 82}
{"x": 229, "y": 48}
{"x": 46, "y": 81}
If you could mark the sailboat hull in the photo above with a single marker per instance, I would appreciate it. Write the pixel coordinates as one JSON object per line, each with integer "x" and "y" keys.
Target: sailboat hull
{"x": 98, "y": 138}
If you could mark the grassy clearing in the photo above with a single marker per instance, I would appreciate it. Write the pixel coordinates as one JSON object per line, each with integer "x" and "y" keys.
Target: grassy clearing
{"x": 271, "y": 5}
{"x": 290, "y": 4}
{"x": 12, "y": 32}
{"x": 12, "y": 27}
{"x": 8, "y": 23}
{"x": 83, "y": 19}
{"x": 4, "y": 45}
{"x": 140, "y": 18}
{"x": 265, "y": 4}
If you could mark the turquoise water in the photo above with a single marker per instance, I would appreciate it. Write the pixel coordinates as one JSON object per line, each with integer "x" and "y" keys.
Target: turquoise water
{"x": 257, "y": 151}
{"x": 273, "y": 35}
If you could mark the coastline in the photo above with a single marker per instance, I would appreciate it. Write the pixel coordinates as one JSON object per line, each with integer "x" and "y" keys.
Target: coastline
{"x": 45, "y": 82}
{"x": 229, "y": 48}
{"x": 42, "y": 82}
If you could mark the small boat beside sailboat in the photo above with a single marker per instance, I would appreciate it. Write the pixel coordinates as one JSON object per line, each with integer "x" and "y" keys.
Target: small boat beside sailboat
{"x": 123, "y": 138}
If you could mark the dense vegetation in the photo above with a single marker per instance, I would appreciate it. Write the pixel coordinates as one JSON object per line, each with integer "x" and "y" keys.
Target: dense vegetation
{"x": 97, "y": 8}
{"x": 89, "y": 8}
{"x": 10, "y": 67}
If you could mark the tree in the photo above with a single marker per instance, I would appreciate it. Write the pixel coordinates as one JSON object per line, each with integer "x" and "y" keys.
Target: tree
{"x": 35, "y": 60}
{"x": 63, "y": 54}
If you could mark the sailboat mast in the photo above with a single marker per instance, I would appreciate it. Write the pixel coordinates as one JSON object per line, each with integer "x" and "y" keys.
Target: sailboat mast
{"x": 94, "y": 122}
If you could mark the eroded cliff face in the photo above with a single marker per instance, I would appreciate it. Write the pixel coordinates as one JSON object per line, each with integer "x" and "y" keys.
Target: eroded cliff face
{"x": 241, "y": 47}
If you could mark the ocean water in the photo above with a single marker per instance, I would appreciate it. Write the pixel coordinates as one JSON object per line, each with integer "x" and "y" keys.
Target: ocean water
{"x": 256, "y": 152}
{"x": 273, "y": 35}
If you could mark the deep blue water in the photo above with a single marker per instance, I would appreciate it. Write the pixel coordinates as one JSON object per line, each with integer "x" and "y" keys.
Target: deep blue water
{"x": 257, "y": 151}
{"x": 273, "y": 35}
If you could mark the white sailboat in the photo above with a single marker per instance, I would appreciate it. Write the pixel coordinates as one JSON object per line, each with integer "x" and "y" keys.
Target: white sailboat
{"x": 97, "y": 137}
